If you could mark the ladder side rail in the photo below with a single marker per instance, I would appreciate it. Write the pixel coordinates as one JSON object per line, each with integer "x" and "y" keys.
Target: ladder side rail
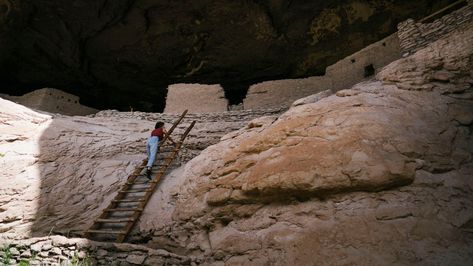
{"x": 174, "y": 125}
{"x": 148, "y": 194}
{"x": 178, "y": 121}
{"x": 131, "y": 178}
{"x": 451, "y": 6}
{"x": 153, "y": 186}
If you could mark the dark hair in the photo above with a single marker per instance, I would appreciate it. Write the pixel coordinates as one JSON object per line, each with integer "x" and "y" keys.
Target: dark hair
{"x": 159, "y": 124}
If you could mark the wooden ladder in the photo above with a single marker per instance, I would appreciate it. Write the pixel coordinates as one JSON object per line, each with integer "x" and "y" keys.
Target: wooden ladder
{"x": 117, "y": 220}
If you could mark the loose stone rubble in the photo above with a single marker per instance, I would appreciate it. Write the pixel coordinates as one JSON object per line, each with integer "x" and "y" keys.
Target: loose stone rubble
{"x": 59, "y": 250}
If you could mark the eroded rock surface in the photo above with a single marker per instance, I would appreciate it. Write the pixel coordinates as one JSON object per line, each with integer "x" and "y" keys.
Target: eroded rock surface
{"x": 379, "y": 173}
{"x": 58, "y": 171}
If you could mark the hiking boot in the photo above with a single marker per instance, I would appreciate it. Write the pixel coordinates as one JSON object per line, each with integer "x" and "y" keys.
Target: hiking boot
{"x": 148, "y": 173}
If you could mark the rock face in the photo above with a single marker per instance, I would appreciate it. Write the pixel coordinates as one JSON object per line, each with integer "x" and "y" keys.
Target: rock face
{"x": 104, "y": 49}
{"x": 381, "y": 172}
{"x": 377, "y": 174}
{"x": 59, "y": 171}
{"x": 44, "y": 174}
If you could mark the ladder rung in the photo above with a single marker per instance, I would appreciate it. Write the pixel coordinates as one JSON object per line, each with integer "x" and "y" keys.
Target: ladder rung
{"x": 105, "y": 232}
{"x": 154, "y": 172}
{"x": 160, "y": 168}
{"x": 158, "y": 172}
{"x": 114, "y": 220}
{"x": 129, "y": 200}
{"x": 137, "y": 183}
{"x": 125, "y": 210}
{"x": 169, "y": 153}
{"x": 134, "y": 191}
{"x": 140, "y": 167}
{"x": 141, "y": 182}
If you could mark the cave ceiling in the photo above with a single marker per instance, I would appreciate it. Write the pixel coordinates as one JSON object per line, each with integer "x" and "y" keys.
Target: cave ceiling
{"x": 121, "y": 53}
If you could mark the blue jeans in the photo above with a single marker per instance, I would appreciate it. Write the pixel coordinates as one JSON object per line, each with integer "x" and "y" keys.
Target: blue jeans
{"x": 151, "y": 149}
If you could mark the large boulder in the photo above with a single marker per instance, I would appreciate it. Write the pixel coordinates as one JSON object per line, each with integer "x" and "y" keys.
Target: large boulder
{"x": 378, "y": 173}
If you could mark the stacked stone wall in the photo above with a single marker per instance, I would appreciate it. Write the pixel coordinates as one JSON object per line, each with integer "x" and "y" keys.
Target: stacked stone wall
{"x": 363, "y": 64}
{"x": 281, "y": 93}
{"x": 53, "y": 101}
{"x": 197, "y": 98}
{"x": 359, "y": 66}
{"x": 414, "y": 35}
{"x": 341, "y": 75}
{"x": 59, "y": 250}
{"x": 208, "y": 130}
{"x": 355, "y": 68}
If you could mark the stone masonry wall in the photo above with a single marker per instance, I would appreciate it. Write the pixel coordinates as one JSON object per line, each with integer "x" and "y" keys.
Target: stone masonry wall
{"x": 341, "y": 75}
{"x": 53, "y": 101}
{"x": 59, "y": 250}
{"x": 281, "y": 93}
{"x": 414, "y": 36}
{"x": 364, "y": 63}
{"x": 360, "y": 65}
{"x": 197, "y": 98}
{"x": 208, "y": 130}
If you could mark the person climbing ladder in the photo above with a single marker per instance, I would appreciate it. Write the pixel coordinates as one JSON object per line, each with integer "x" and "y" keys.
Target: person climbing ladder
{"x": 152, "y": 145}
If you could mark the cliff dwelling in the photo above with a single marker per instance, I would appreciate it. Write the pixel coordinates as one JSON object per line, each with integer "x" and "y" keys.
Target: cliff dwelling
{"x": 152, "y": 132}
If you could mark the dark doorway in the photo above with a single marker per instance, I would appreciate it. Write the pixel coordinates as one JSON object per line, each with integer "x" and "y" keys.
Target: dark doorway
{"x": 369, "y": 70}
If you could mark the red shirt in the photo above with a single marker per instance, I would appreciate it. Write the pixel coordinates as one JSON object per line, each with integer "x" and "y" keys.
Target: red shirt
{"x": 158, "y": 133}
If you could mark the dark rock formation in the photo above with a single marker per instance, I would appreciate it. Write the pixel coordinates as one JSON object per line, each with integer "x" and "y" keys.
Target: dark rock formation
{"x": 114, "y": 54}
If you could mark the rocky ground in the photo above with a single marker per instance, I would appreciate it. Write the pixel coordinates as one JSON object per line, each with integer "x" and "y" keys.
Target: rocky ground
{"x": 381, "y": 173}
